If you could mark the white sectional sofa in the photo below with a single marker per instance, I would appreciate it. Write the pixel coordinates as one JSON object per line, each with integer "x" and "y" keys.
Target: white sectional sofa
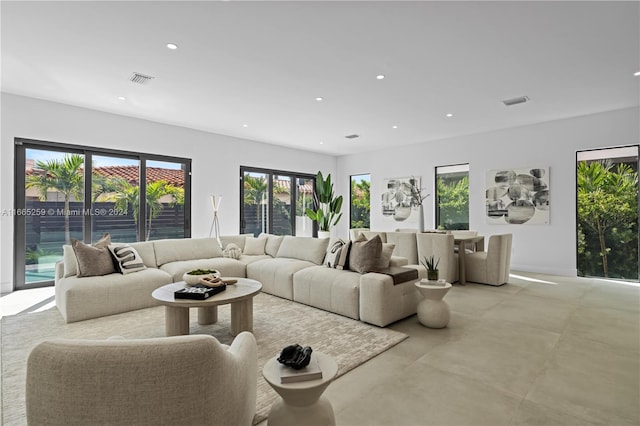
{"x": 287, "y": 266}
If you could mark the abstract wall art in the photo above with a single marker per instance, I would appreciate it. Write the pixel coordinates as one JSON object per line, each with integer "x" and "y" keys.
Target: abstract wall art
{"x": 399, "y": 199}
{"x": 518, "y": 196}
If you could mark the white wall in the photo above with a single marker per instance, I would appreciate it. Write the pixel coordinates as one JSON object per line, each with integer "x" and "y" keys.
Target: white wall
{"x": 216, "y": 158}
{"x": 538, "y": 248}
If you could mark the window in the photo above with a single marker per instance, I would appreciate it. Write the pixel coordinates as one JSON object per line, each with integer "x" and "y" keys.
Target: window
{"x": 275, "y": 202}
{"x": 607, "y": 213}
{"x": 360, "y": 201}
{"x": 452, "y": 197}
{"x": 73, "y": 192}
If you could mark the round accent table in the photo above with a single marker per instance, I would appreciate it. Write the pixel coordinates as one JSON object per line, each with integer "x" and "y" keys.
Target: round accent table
{"x": 433, "y": 312}
{"x": 301, "y": 403}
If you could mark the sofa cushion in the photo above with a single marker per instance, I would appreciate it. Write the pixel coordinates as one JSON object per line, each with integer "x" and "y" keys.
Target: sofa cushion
{"x": 276, "y": 275}
{"x": 254, "y": 246}
{"x": 304, "y": 248}
{"x": 238, "y": 240}
{"x": 364, "y": 254}
{"x": 406, "y": 245}
{"x": 273, "y": 244}
{"x": 329, "y": 289}
{"x": 186, "y": 249}
{"x": 93, "y": 260}
{"x": 127, "y": 259}
{"x": 385, "y": 256}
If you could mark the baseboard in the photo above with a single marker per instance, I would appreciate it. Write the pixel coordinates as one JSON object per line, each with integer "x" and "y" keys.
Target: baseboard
{"x": 565, "y": 272}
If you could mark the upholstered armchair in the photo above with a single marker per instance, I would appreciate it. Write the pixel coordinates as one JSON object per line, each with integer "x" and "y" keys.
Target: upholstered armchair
{"x": 441, "y": 246}
{"x": 491, "y": 266}
{"x": 187, "y": 380}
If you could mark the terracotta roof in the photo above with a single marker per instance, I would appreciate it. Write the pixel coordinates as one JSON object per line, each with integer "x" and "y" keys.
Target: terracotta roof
{"x": 130, "y": 174}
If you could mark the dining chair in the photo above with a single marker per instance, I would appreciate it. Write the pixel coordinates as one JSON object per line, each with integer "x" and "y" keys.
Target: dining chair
{"x": 491, "y": 266}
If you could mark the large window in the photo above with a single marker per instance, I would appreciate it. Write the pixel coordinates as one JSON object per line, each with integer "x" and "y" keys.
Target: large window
{"x": 66, "y": 192}
{"x": 275, "y": 202}
{"x": 360, "y": 201}
{"x": 452, "y": 197}
{"x": 607, "y": 213}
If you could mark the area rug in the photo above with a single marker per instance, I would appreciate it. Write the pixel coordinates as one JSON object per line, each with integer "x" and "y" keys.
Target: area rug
{"x": 277, "y": 323}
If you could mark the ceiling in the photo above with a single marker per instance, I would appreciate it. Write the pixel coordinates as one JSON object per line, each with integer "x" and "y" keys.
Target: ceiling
{"x": 263, "y": 64}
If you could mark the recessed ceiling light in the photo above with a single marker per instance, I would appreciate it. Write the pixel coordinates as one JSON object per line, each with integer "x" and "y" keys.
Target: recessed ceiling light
{"x": 637, "y": 73}
{"x": 449, "y": 115}
{"x": 394, "y": 127}
{"x": 172, "y": 46}
{"x": 122, "y": 98}
{"x": 321, "y": 143}
{"x": 319, "y": 98}
{"x": 245, "y": 125}
{"x": 380, "y": 77}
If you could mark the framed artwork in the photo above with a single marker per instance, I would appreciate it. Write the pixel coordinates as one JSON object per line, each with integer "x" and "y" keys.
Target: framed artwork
{"x": 400, "y": 199}
{"x": 518, "y": 196}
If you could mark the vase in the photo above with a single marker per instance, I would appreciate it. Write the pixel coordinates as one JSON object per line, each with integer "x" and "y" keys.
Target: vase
{"x": 324, "y": 234}
{"x": 432, "y": 275}
{"x": 420, "y": 218}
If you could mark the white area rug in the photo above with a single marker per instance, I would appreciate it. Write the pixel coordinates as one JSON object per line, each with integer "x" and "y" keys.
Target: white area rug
{"x": 277, "y": 323}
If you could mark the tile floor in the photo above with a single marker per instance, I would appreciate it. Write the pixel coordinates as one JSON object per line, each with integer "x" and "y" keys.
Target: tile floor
{"x": 541, "y": 350}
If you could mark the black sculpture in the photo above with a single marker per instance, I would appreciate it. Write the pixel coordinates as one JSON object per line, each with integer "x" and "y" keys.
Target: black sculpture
{"x": 295, "y": 356}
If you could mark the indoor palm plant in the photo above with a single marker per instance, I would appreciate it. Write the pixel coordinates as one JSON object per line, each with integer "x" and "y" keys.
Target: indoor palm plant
{"x": 326, "y": 206}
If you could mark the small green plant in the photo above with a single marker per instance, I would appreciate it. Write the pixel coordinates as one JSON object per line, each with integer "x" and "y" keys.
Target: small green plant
{"x": 432, "y": 267}
{"x": 202, "y": 272}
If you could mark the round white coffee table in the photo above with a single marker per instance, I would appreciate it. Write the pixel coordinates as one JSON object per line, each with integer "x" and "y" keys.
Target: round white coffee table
{"x": 301, "y": 403}
{"x": 239, "y": 295}
{"x": 433, "y": 312}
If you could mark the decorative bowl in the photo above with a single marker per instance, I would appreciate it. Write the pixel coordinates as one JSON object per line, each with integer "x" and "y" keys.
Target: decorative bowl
{"x": 193, "y": 277}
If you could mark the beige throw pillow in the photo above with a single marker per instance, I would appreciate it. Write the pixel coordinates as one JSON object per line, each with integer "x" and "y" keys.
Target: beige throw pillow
{"x": 94, "y": 260}
{"x": 254, "y": 246}
{"x": 385, "y": 256}
{"x": 364, "y": 254}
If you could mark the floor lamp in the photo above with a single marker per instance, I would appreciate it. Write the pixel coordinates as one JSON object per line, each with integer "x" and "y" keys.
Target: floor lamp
{"x": 215, "y": 225}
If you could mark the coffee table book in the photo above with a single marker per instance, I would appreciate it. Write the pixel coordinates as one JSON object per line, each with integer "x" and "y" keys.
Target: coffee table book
{"x": 310, "y": 372}
{"x": 198, "y": 292}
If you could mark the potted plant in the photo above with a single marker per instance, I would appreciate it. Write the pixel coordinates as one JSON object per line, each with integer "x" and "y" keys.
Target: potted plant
{"x": 193, "y": 277}
{"x": 326, "y": 211}
{"x": 432, "y": 267}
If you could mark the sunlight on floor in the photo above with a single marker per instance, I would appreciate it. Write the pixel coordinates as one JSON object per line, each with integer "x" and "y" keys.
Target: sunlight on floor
{"x": 534, "y": 280}
{"x": 32, "y": 300}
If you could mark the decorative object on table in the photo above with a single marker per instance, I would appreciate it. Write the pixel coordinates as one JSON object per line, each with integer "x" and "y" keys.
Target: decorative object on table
{"x": 193, "y": 277}
{"x": 432, "y": 267}
{"x": 199, "y": 291}
{"x": 215, "y": 225}
{"x": 295, "y": 356}
{"x": 311, "y": 372}
{"x": 326, "y": 206}
{"x": 518, "y": 196}
{"x": 402, "y": 200}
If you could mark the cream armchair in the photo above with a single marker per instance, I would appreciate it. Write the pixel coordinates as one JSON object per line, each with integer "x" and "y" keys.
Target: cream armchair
{"x": 491, "y": 266}
{"x": 441, "y": 246}
{"x": 188, "y": 380}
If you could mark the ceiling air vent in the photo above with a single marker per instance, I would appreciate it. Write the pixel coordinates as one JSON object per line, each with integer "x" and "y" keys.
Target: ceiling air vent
{"x": 516, "y": 101}
{"x": 352, "y": 136}
{"x": 138, "y": 78}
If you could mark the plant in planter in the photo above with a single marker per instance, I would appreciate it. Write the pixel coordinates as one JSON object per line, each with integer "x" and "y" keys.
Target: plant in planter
{"x": 326, "y": 211}
{"x": 193, "y": 277}
{"x": 432, "y": 267}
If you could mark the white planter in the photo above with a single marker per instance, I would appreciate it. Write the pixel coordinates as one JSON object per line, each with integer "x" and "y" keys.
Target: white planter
{"x": 324, "y": 234}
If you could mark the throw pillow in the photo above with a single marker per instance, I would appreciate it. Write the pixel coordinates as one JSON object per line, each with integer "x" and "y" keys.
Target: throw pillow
{"x": 127, "y": 259}
{"x": 364, "y": 254}
{"x": 93, "y": 260}
{"x": 337, "y": 254}
{"x": 254, "y": 246}
{"x": 232, "y": 251}
{"x": 385, "y": 256}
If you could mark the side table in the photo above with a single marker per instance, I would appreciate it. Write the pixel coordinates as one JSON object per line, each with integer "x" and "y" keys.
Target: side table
{"x": 433, "y": 312}
{"x": 301, "y": 403}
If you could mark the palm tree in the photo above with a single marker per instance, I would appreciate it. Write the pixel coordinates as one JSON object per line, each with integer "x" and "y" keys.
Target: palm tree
{"x": 64, "y": 176}
{"x": 255, "y": 190}
{"x": 128, "y": 196}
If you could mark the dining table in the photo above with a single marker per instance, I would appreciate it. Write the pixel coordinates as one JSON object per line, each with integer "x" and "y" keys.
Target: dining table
{"x": 475, "y": 243}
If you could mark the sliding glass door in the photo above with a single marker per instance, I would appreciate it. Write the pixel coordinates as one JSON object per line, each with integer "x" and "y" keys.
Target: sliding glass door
{"x": 607, "y": 213}
{"x": 275, "y": 202}
{"x": 66, "y": 192}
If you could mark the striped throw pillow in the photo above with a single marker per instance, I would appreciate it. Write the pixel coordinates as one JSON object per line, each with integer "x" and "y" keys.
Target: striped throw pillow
{"x": 127, "y": 259}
